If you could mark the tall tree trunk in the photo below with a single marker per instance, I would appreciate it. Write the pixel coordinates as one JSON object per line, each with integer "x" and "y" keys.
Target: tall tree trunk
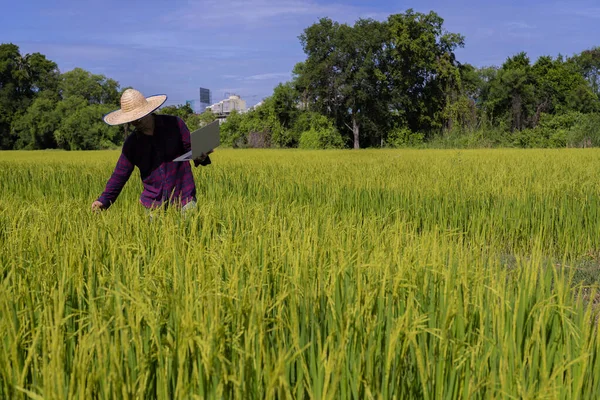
{"x": 355, "y": 130}
{"x": 516, "y": 112}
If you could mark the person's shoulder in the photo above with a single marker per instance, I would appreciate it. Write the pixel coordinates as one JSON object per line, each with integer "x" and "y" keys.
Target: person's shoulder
{"x": 175, "y": 122}
{"x": 167, "y": 118}
{"x": 169, "y": 122}
{"x": 129, "y": 143}
{"x": 130, "y": 139}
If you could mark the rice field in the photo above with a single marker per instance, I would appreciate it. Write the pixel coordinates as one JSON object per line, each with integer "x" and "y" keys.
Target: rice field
{"x": 372, "y": 274}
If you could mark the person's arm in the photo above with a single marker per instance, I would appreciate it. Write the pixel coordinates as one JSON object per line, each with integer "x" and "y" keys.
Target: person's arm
{"x": 187, "y": 144}
{"x": 116, "y": 182}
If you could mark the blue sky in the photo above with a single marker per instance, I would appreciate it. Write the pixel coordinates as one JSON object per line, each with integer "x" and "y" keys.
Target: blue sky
{"x": 248, "y": 46}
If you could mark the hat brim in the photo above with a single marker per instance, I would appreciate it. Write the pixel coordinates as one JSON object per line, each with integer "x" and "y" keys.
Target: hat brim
{"x": 119, "y": 117}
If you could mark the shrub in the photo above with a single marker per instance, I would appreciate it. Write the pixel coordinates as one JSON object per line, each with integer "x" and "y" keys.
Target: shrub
{"x": 586, "y": 132}
{"x": 403, "y": 137}
{"x": 259, "y": 140}
{"x": 321, "y": 134}
{"x": 328, "y": 138}
{"x": 231, "y": 131}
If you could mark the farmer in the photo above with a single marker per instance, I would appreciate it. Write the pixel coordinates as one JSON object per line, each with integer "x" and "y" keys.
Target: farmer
{"x": 154, "y": 143}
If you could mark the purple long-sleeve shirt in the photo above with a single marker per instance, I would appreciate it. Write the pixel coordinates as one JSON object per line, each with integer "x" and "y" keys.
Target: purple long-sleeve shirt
{"x": 163, "y": 180}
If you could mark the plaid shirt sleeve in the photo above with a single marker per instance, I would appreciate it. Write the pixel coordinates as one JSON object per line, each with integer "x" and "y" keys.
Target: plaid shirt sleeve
{"x": 187, "y": 145}
{"x": 116, "y": 182}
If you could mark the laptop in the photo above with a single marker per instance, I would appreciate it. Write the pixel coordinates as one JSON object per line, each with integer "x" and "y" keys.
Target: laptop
{"x": 203, "y": 140}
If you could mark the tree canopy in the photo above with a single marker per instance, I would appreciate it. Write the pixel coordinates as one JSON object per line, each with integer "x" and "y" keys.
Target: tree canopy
{"x": 398, "y": 83}
{"x": 389, "y": 83}
{"x": 40, "y": 108}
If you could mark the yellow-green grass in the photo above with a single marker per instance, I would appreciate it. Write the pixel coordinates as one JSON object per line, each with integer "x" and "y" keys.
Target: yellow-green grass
{"x": 305, "y": 274}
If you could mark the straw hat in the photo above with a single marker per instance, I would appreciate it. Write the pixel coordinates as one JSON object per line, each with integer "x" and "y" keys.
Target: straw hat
{"x": 134, "y": 106}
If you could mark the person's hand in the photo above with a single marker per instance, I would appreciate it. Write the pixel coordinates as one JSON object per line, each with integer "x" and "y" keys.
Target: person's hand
{"x": 204, "y": 155}
{"x": 97, "y": 206}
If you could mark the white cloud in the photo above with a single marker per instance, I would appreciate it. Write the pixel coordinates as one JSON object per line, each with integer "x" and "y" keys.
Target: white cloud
{"x": 584, "y": 12}
{"x": 269, "y": 76}
{"x": 521, "y": 30}
{"x": 484, "y": 32}
{"x": 221, "y": 30}
{"x": 221, "y": 93}
{"x": 177, "y": 41}
{"x": 575, "y": 10}
{"x": 520, "y": 25}
{"x": 230, "y": 15}
{"x": 71, "y": 55}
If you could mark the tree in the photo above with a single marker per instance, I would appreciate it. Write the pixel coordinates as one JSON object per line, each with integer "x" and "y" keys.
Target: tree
{"x": 512, "y": 91}
{"x": 82, "y": 127}
{"x": 462, "y": 98}
{"x": 195, "y": 121}
{"x": 21, "y": 78}
{"x": 366, "y": 85}
{"x": 341, "y": 77}
{"x": 41, "y": 108}
{"x": 286, "y": 104}
{"x": 520, "y": 93}
{"x": 375, "y": 76}
{"x": 260, "y": 126}
{"x": 231, "y": 131}
{"x": 423, "y": 69}
{"x": 588, "y": 64}
{"x": 481, "y": 95}
{"x": 42, "y": 74}
{"x": 317, "y": 77}
{"x": 182, "y": 111}
{"x": 320, "y": 133}
{"x": 96, "y": 89}
{"x": 561, "y": 87}
{"x": 35, "y": 129}
{"x": 9, "y": 104}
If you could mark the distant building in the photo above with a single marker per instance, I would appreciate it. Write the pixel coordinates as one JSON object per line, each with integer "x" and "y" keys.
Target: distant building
{"x": 205, "y": 100}
{"x": 192, "y": 104}
{"x": 254, "y": 107}
{"x": 223, "y": 108}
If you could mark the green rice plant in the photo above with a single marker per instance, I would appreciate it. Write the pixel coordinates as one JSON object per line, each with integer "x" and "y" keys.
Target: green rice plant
{"x": 379, "y": 274}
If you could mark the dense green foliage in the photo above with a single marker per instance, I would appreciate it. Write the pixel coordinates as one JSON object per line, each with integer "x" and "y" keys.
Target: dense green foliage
{"x": 398, "y": 83}
{"x": 185, "y": 112}
{"x": 424, "y": 274}
{"x": 390, "y": 83}
{"x": 40, "y": 108}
